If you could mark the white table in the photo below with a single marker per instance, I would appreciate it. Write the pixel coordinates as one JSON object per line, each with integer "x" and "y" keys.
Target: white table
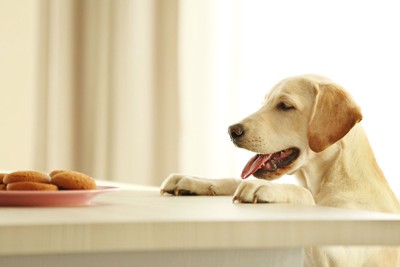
{"x": 137, "y": 227}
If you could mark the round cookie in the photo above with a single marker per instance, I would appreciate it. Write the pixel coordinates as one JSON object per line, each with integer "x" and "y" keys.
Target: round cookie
{"x": 72, "y": 180}
{"x": 31, "y": 186}
{"x": 26, "y": 176}
{"x": 55, "y": 172}
{"x": 2, "y": 177}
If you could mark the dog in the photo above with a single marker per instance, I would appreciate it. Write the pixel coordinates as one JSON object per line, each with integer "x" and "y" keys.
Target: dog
{"x": 307, "y": 126}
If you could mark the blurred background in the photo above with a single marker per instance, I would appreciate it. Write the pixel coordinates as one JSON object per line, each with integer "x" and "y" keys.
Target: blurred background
{"x": 134, "y": 90}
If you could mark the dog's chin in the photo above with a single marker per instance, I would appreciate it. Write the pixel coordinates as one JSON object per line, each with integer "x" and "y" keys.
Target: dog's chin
{"x": 272, "y": 175}
{"x": 276, "y": 167}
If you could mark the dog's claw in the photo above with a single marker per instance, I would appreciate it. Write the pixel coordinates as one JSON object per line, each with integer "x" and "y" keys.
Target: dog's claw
{"x": 176, "y": 192}
{"x": 235, "y": 198}
{"x": 255, "y": 200}
{"x": 212, "y": 192}
{"x": 162, "y": 191}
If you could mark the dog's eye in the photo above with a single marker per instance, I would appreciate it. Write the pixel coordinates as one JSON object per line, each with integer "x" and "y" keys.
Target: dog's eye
{"x": 285, "y": 107}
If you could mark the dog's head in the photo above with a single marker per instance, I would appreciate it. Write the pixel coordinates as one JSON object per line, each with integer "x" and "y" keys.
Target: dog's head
{"x": 299, "y": 116}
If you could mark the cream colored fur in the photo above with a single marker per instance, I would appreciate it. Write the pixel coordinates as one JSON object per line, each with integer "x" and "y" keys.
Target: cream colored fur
{"x": 336, "y": 166}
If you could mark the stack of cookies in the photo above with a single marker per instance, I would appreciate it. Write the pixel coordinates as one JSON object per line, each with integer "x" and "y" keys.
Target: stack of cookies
{"x": 55, "y": 180}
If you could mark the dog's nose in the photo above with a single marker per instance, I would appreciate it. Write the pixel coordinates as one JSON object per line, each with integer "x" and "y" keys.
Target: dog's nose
{"x": 236, "y": 131}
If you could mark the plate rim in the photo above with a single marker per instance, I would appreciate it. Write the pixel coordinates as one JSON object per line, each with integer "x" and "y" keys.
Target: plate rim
{"x": 63, "y": 192}
{"x": 59, "y": 198}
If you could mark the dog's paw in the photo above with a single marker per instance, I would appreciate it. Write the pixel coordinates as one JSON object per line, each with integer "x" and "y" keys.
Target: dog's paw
{"x": 184, "y": 185}
{"x": 262, "y": 191}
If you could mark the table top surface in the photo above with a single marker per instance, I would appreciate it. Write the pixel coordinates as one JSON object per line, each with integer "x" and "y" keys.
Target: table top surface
{"x": 138, "y": 218}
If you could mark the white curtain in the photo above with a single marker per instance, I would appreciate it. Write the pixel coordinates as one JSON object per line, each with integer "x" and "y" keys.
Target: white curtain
{"x": 107, "y": 101}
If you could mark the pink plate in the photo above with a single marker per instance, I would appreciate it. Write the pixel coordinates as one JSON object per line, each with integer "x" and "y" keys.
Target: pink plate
{"x": 52, "y": 198}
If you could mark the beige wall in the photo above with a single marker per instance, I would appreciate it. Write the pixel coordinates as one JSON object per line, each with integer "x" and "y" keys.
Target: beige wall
{"x": 17, "y": 33}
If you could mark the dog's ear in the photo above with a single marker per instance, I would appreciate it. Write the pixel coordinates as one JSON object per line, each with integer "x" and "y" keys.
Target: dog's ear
{"x": 334, "y": 114}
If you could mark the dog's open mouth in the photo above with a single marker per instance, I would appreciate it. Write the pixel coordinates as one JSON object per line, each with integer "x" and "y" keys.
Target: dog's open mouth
{"x": 270, "y": 162}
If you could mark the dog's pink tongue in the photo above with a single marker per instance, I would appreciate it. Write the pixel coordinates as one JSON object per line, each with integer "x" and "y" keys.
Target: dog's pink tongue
{"x": 254, "y": 164}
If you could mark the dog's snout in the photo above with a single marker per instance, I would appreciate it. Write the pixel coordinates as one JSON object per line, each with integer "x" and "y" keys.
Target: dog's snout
{"x": 236, "y": 131}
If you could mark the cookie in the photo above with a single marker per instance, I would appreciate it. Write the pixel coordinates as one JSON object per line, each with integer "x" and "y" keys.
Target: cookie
{"x": 72, "y": 180}
{"x": 2, "y": 177}
{"x": 26, "y": 176}
{"x": 31, "y": 186}
{"x": 55, "y": 172}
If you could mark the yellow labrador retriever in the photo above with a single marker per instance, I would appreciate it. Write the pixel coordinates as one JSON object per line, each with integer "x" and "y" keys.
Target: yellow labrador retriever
{"x": 307, "y": 126}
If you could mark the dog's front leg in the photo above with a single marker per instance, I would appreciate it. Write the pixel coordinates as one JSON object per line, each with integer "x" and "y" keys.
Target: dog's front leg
{"x": 179, "y": 184}
{"x": 263, "y": 191}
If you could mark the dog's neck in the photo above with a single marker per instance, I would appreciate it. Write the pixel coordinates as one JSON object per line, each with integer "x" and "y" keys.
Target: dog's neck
{"x": 346, "y": 164}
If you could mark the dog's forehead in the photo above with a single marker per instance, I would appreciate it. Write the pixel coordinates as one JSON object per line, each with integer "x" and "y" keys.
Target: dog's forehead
{"x": 295, "y": 89}
{"x": 293, "y": 86}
